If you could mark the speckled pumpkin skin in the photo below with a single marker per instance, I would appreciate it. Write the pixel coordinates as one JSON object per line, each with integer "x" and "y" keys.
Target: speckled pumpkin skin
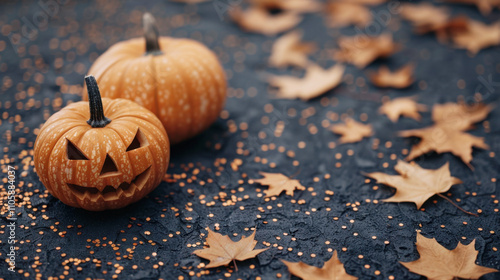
{"x": 141, "y": 168}
{"x": 184, "y": 85}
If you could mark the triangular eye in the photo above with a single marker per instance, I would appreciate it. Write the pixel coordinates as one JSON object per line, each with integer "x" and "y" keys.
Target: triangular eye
{"x": 109, "y": 166}
{"x": 139, "y": 141}
{"x": 73, "y": 152}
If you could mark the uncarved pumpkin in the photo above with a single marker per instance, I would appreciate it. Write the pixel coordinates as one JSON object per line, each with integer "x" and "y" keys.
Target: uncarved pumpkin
{"x": 101, "y": 155}
{"x": 180, "y": 80}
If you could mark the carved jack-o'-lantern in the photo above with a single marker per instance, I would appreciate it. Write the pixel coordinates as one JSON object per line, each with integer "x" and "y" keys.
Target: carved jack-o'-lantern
{"x": 180, "y": 80}
{"x": 90, "y": 161}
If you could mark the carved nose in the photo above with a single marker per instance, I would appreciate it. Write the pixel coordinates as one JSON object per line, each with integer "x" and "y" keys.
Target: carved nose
{"x": 109, "y": 166}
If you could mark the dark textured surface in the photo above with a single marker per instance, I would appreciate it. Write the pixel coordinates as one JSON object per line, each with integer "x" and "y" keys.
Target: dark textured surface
{"x": 155, "y": 237}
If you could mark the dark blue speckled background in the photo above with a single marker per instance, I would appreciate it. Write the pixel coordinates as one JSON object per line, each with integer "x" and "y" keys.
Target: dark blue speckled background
{"x": 42, "y": 70}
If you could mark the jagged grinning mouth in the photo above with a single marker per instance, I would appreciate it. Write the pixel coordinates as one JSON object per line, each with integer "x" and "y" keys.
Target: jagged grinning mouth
{"x": 109, "y": 192}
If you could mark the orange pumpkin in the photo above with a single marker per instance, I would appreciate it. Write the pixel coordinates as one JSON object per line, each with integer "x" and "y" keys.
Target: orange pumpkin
{"x": 180, "y": 80}
{"x": 102, "y": 163}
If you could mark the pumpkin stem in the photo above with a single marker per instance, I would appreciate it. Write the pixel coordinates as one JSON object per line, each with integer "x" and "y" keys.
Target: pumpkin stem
{"x": 97, "y": 118}
{"x": 151, "y": 34}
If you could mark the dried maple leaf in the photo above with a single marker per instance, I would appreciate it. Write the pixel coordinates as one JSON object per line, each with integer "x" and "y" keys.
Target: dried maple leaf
{"x": 315, "y": 82}
{"x": 415, "y": 184}
{"x": 259, "y": 20}
{"x": 424, "y": 15}
{"x": 289, "y": 50}
{"x": 400, "y": 78}
{"x": 446, "y": 30}
{"x": 222, "y": 250}
{"x": 342, "y": 14}
{"x": 459, "y": 116}
{"x": 404, "y": 106}
{"x": 299, "y": 6}
{"x": 362, "y": 50}
{"x": 278, "y": 183}
{"x": 477, "y": 36}
{"x": 443, "y": 139}
{"x": 484, "y": 6}
{"x": 352, "y": 131}
{"x": 437, "y": 262}
{"x": 332, "y": 269}
{"x": 427, "y": 18}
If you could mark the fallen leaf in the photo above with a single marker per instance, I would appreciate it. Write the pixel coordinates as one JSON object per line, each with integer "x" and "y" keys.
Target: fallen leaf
{"x": 342, "y": 14}
{"x": 332, "y": 269}
{"x": 404, "y": 106}
{"x": 484, "y": 6}
{"x": 415, "y": 184}
{"x": 299, "y": 6}
{"x": 477, "y": 36}
{"x": 315, "y": 82}
{"x": 424, "y": 15}
{"x": 460, "y": 116}
{"x": 437, "y": 262}
{"x": 400, "y": 78}
{"x": 453, "y": 26}
{"x": 278, "y": 183}
{"x": 443, "y": 139}
{"x": 427, "y": 18}
{"x": 289, "y": 50}
{"x": 352, "y": 131}
{"x": 259, "y": 20}
{"x": 222, "y": 250}
{"x": 362, "y": 50}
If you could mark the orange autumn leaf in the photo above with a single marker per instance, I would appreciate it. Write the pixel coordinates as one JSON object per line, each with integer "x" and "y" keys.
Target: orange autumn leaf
{"x": 445, "y": 31}
{"x": 259, "y": 20}
{"x": 222, "y": 250}
{"x": 278, "y": 183}
{"x": 352, "y": 131}
{"x": 484, "y": 6}
{"x": 404, "y": 106}
{"x": 447, "y": 134}
{"x": 460, "y": 116}
{"x": 400, "y": 78}
{"x": 332, "y": 269}
{"x": 442, "y": 139}
{"x": 299, "y": 6}
{"x": 424, "y": 15}
{"x": 427, "y": 18}
{"x": 477, "y": 36}
{"x": 289, "y": 50}
{"x": 315, "y": 82}
{"x": 415, "y": 184}
{"x": 342, "y": 14}
{"x": 362, "y": 50}
{"x": 437, "y": 262}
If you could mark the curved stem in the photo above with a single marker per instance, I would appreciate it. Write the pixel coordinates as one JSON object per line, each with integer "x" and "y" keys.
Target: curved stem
{"x": 294, "y": 174}
{"x": 235, "y": 266}
{"x": 97, "y": 118}
{"x": 150, "y": 34}
{"x": 460, "y": 208}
